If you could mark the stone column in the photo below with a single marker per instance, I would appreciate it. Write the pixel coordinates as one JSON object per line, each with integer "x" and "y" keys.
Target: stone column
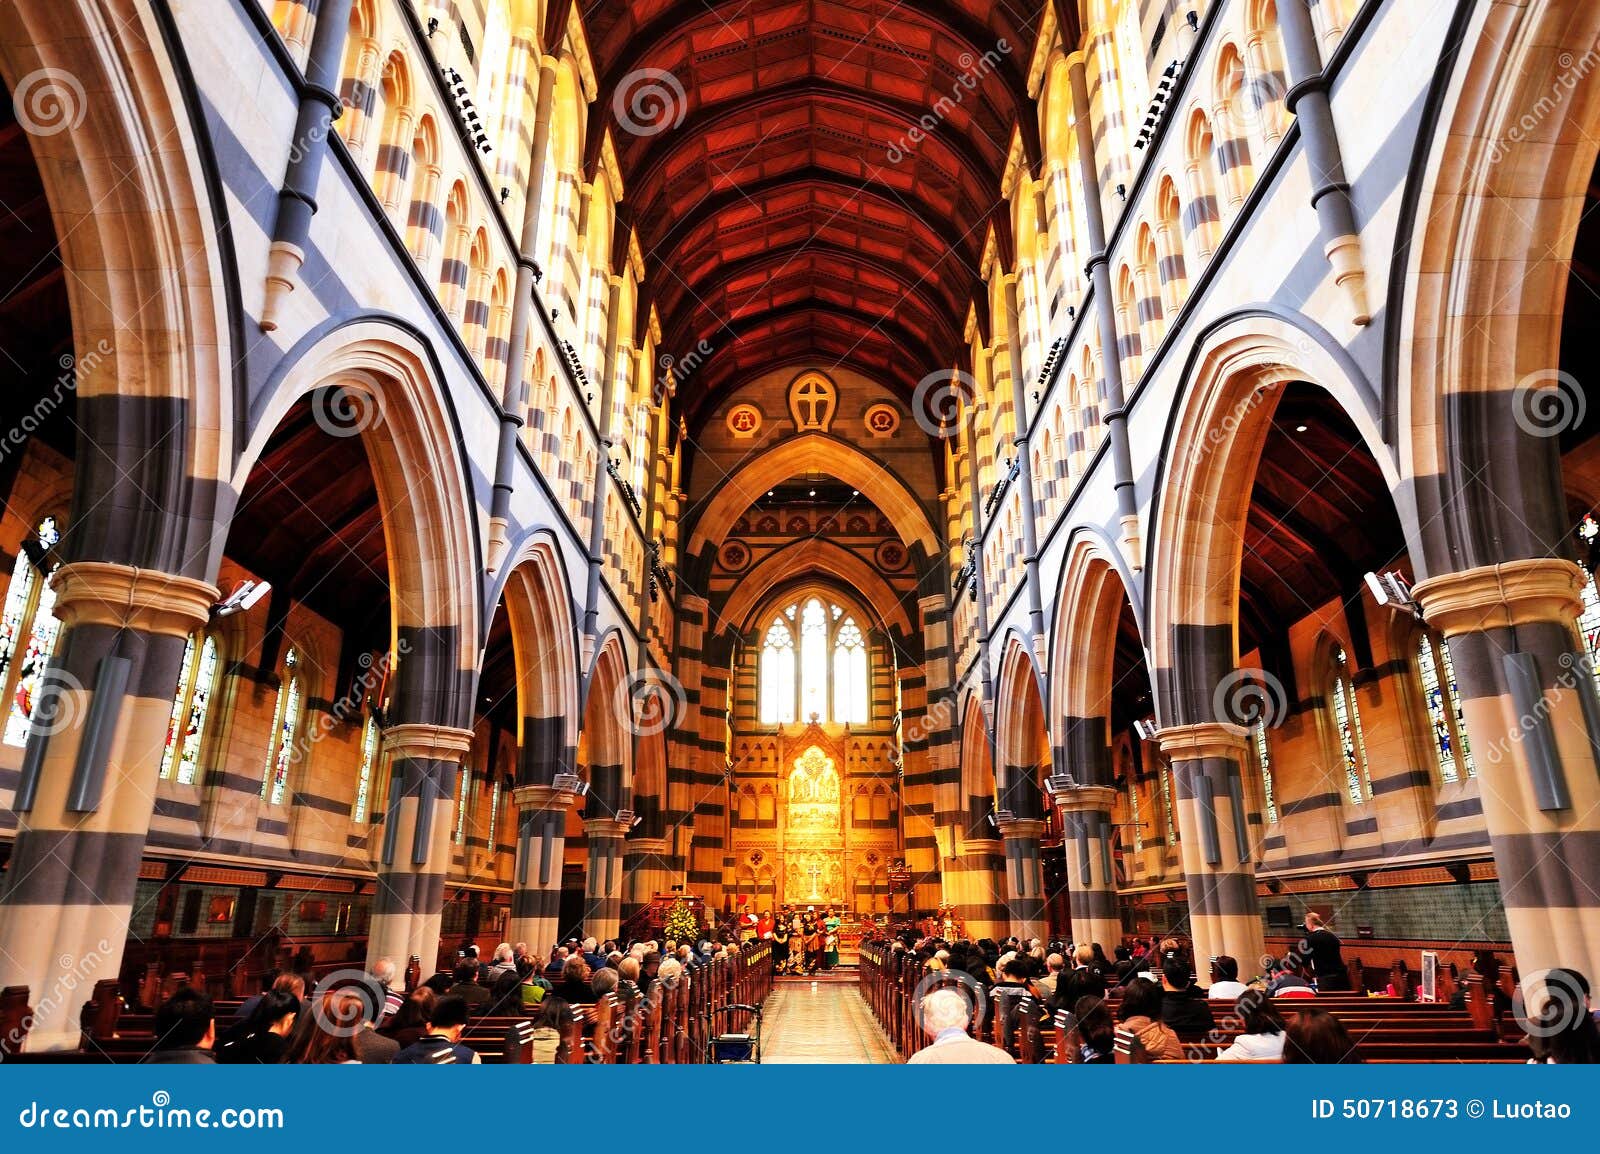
{"x": 424, "y": 774}
{"x": 1214, "y": 835}
{"x": 602, "y": 909}
{"x": 541, "y": 852}
{"x": 88, "y": 783}
{"x": 1091, "y": 882}
{"x": 1024, "y": 875}
{"x": 1527, "y": 688}
{"x": 646, "y": 871}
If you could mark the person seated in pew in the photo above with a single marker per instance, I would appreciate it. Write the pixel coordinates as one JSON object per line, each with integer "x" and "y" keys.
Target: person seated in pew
{"x": 410, "y": 1022}
{"x": 1263, "y": 1035}
{"x": 280, "y": 980}
{"x": 505, "y": 996}
{"x": 264, "y": 1036}
{"x": 574, "y": 984}
{"x": 1565, "y": 1032}
{"x": 628, "y": 978}
{"x": 387, "y": 975}
{"x": 1316, "y": 1037}
{"x": 1283, "y": 981}
{"x": 1084, "y": 980}
{"x": 604, "y": 982}
{"x": 326, "y": 1035}
{"x": 1140, "y": 1014}
{"x": 1487, "y": 966}
{"x": 1092, "y": 1032}
{"x": 945, "y": 1016}
{"x": 184, "y": 1031}
{"x": 1227, "y": 985}
{"x": 468, "y": 988}
{"x": 1183, "y": 1004}
{"x": 549, "y": 1045}
{"x": 441, "y": 1045}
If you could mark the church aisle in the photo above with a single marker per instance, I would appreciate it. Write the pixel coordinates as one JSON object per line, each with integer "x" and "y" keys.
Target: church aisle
{"x": 820, "y": 1023}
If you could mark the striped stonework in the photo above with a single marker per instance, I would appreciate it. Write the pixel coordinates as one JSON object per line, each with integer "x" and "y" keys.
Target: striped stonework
{"x": 645, "y": 872}
{"x": 602, "y": 906}
{"x": 975, "y": 886}
{"x": 1519, "y": 659}
{"x": 1213, "y": 837}
{"x": 88, "y": 783}
{"x": 424, "y": 768}
{"x": 1024, "y": 876}
{"x": 536, "y": 877}
{"x": 1091, "y": 880}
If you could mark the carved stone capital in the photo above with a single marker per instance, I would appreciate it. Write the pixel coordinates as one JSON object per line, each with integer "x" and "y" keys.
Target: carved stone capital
{"x": 105, "y": 593}
{"x": 1501, "y": 596}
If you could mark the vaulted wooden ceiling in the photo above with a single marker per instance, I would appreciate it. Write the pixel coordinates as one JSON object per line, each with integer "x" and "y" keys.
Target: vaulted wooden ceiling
{"x": 824, "y": 187}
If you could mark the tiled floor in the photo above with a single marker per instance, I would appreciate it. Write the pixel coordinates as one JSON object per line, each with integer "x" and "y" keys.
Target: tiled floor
{"x": 823, "y": 1022}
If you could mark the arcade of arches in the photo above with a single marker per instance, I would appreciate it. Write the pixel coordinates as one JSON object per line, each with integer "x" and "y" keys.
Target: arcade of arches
{"x": 1081, "y": 470}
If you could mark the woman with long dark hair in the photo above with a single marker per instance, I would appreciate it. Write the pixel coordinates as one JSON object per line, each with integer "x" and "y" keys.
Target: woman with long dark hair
{"x": 1316, "y": 1037}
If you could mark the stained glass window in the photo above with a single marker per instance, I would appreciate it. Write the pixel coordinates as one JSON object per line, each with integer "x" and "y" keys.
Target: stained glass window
{"x": 32, "y": 617}
{"x": 814, "y": 661}
{"x": 777, "y": 676}
{"x": 494, "y": 816}
{"x": 1588, "y": 625}
{"x": 285, "y": 724}
{"x": 1269, "y": 800}
{"x": 1443, "y": 699}
{"x": 187, "y": 725}
{"x": 1166, "y": 806}
{"x": 463, "y": 799}
{"x": 1347, "y": 721}
{"x": 850, "y": 690}
{"x": 369, "y": 758}
{"x": 828, "y": 668}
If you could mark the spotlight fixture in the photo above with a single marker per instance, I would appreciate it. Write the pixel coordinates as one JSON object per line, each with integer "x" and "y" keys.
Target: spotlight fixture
{"x": 1299, "y": 428}
{"x": 1145, "y": 727}
{"x": 811, "y": 492}
{"x": 242, "y": 599}
{"x": 1122, "y": 193}
{"x": 637, "y": 822}
{"x": 1391, "y": 590}
{"x": 505, "y": 194}
{"x": 433, "y": 26}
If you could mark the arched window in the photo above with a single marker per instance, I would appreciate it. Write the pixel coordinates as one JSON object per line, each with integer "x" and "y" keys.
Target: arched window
{"x": 1589, "y": 618}
{"x": 28, "y": 613}
{"x": 1347, "y": 729}
{"x": 494, "y": 816}
{"x": 369, "y": 759}
{"x": 1269, "y": 799}
{"x": 831, "y": 667}
{"x": 850, "y": 689}
{"x": 285, "y": 725}
{"x": 187, "y": 728}
{"x": 1449, "y": 727}
{"x": 777, "y": 675}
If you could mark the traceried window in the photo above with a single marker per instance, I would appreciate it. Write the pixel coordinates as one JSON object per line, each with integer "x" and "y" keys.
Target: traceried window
{"x": 186, "y": 729}
{"x": 827, "y": 676}
{"x": 369, "y": 759}
{"x": 1445, "y": 721}
{"x": 1166, "y": 806}
{"x": 28, "y": 621}
{"x": 777, "y": 676}
{"x": 285, "y": 725}
{"x": 850, "y": 690}
{"x": 1269, "y": 800}
{"x": 1589, "y": 619}
{"x": 1347, "y": 729}
{"x": 464, "y": 799}
{"x": 494, "y": 816}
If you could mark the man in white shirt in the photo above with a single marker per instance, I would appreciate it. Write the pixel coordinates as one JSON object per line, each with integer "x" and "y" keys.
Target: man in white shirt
{"x": 1227, "y": 984}
{"x": 945, "y": 1014}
